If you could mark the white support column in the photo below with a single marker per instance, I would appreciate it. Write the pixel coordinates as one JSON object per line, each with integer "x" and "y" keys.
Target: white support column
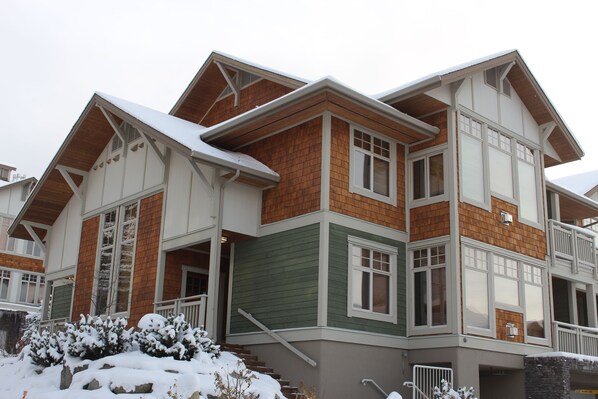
{"x": 592, "y": 310}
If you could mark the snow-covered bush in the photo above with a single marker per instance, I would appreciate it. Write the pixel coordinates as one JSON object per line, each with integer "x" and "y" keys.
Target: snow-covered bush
{"x": 46, "y": 349}
{"x": 173, "y": 336}
{"x": 93, "y": 338}
{"x": 31, "y": 326}
{"x": 447, "y": 392}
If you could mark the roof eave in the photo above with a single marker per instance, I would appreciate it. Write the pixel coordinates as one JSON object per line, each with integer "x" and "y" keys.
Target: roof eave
{"x": 566, "y": 192}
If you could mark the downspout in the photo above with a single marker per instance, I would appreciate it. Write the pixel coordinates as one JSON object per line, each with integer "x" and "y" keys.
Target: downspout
{"x": 215, "y": 254}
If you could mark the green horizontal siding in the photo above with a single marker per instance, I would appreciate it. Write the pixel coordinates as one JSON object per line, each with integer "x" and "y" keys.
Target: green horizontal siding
{"x": 338, "y": 268}
{"x": 275, "y": 278}
{"x": 61, "y": 301}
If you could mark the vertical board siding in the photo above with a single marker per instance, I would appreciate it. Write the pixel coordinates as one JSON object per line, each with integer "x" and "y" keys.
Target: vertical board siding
{"x": 275, "y": 279}
{"x": 338, "y": 269}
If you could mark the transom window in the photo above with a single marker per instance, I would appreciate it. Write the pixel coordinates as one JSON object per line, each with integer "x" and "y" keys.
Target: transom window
{"x": 429, "y": 286}
{"x": 373, "y": 167}
{"x": 372, "y": 270}
{"x": 116, "y": 259}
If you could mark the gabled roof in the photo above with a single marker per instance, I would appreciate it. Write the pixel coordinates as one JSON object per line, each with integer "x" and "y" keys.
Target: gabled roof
{"x": 92, "y": 132}
{"x": 7, "y": 185}
{"x": 581, "y": 183}
{"x": 310, "y": 100}
{"x": 521, "y": 79}
{"x": 209, "y": 83}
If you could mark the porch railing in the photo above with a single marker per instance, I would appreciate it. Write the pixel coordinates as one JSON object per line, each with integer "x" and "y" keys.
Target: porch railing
{"x": 573, "y": 244}
{"x": 426, "y": 378}
{"x": 192, "y": 307}
{"x": 575, "y": 339}
{"x": 53, "y": 325}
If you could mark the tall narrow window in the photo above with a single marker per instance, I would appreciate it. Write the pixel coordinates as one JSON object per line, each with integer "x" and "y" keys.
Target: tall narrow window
{"x": 534, "y": 303}
{"x": 500, "y": 161}
{"x": 4, "y": 283}
{"x": 372, "y": 275}
{"x": 116, "y": 259}
{"x": 372, "y": 166}
{"x": 472, "y": 159}
{"x": 528, "y": 191}
{"x": 429, "y": 287}
{"x": 476, "y": 287}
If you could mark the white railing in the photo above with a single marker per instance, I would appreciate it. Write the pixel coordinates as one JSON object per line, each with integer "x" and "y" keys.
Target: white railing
{"x": 575, "y": 339}
{"x": 53, "y": 325}
{"x": 426, "y": 378}
{"x": 193, "y": 307}
{"x": 571, "y": 243}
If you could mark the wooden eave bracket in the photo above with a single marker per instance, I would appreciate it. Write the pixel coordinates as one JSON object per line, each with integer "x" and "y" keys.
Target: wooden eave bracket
{"x": 230, "y": 81}
{"x": 547, "y": 129}
{"x": 115, "y": 127}
{"x": 202, "y": 177}
{"x": 455, "y": 90}
{"x": 65, "y": 171}
{"x": 152, "y": 144}
{"x": 29, "y": 227}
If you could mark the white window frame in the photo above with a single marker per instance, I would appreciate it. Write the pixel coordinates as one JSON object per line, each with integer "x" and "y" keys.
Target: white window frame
{"x": 392, "y": 173}
{"x": 500, "y": 84}
{"x": 428, "y": 328}
{"x": 185, "y": 269}
{"x": 391, "y": 317}
{"x": 114, "y": 268}
{"x": 38, "y": 288}
{"x": 5, "y": 275}
{"x": 515, "y": 139}
{"x": 426, "y": 155}
{"x": 521, "y": 260}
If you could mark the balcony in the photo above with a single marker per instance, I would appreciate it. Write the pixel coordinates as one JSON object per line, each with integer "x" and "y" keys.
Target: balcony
{"x": 575, "y": 339}
{"x": 192, "y": 307}
{"x": 571, "y": 244}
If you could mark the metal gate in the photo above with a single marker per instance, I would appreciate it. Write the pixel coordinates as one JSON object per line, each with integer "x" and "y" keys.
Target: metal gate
{"x": 425, "y": 378}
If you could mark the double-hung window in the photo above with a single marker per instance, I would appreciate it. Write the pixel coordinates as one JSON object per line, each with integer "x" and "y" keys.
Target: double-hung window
{"x": 429, "y": 286}
{"x": 116, "y": 259}
{"x": 32, "y": 288}
{"x": 372, "y": 280}
{"x": 373, "y": 166}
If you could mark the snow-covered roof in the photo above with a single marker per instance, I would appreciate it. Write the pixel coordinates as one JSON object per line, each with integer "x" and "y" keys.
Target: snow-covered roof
{"x": 580, "y": 183}
{"x": 437, "y": 75}
{"x": 188, "y": 134}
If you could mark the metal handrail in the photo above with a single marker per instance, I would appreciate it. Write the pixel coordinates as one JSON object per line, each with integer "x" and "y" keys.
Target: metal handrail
{"x": 365, "y": 381}
{"x": 277, "y": 337}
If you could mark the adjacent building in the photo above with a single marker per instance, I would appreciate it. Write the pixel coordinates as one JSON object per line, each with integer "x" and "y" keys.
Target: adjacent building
{"x": 371, "y": 233}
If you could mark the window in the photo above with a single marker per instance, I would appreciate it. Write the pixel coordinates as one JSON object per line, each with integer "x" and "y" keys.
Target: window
{"x": 492, "y": 77}
{"x": 373, "y": 166}
{"x": 372, "y": 271}
{"x": 534, "y": 303}
{"x": 429, "y": 286}
{"x": 428, "y": 177}
{"x": 517, "y": 286}
{"x": 493, "y": 163}
{"x": 116, "y": 259}
{"x": 131, "y": 134}
{"x": 32, "y": 289}
{"x": 4, "y": 284}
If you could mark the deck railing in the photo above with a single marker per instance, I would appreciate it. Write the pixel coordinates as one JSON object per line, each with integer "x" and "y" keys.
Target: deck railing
{"x": 573, "y": 244}
{"x": 575, "y": 339}
{"x": 193, "y": 307}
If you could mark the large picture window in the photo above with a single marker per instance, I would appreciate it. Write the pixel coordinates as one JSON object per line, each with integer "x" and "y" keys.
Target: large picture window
{"x": 372, "y": 166}
{"x": 493, "y": 163}
{"x": 372, "y": 280}
{"x": 516, "y": 286}
{"x": 116, "y": 259}
{"x": 429, "y": 286}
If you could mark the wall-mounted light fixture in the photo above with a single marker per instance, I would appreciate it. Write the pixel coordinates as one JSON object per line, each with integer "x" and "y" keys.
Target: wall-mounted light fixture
{"x": 512, "y": 330}
{"x": 223, "y": 240}
{"x": 506, "y": 218}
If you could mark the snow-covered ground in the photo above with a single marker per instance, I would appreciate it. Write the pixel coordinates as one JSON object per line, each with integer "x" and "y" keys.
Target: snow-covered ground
{"x": 20, "y": 378}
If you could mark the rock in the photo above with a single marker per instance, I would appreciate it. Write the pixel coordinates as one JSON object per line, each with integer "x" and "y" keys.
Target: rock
{"x": 143, "y": 388}
{"x": 195, "y": 395}
{"x": 93, "y": 385}
{"x": 106, "y": 366}
{"x": 66, "y": 377}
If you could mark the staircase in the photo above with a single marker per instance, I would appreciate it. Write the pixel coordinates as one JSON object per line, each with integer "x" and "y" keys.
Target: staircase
{"x": 252, "y": 363}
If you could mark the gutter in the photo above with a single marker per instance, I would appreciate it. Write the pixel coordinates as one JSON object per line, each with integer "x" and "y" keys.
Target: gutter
{"x": 420, "y": 87}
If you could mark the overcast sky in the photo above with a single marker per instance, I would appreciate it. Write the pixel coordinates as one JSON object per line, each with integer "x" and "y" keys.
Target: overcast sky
{"x": 55, "y": 54}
